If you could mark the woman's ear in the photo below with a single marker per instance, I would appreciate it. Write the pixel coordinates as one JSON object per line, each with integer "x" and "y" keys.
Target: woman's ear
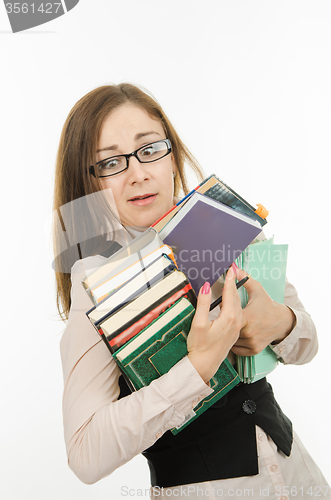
{"x": 174, "y": 166}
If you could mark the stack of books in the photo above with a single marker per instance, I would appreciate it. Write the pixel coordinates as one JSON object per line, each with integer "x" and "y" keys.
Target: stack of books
{"x": 143, "y": 309}
{"x": 144, "y": 296}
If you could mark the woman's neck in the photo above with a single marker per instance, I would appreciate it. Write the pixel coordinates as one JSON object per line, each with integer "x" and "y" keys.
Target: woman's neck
{"x": 134, "y": 231}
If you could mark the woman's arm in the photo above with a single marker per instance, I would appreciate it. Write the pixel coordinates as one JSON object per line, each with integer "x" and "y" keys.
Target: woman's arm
{"x": 287, "y": 328}
{"x": 102, "y": 433}
{"x": 301, "y": 344}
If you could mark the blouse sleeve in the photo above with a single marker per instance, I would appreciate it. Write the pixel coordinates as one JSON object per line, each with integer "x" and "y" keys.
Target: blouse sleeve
{"x": 101, "y": 432}
{"x": 301, "y": 345}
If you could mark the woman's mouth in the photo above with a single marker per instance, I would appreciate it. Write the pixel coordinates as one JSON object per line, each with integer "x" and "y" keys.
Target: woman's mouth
{"x": 144, "y": 199}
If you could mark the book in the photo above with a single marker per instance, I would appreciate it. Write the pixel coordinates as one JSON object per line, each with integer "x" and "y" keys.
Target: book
{"x": 125, "y": 271}
{"x": 114, "y": 324}
{"x": 266, "y": 262}
{"x": 118, "y": 298}
{"x": 144, "y": 302}
{"x": 160, "y": 346}
{"x": 218, "y": 190}
{"x": 206, "y": 238}
{"x": 116, "y": 340}
{"x": 134, "y": 252}
{"x": 213, "y": 187}
{"x": 171, "y": 326}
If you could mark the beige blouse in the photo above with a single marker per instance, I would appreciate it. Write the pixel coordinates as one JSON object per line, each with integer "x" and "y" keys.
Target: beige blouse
{"x": 101, "y": 433}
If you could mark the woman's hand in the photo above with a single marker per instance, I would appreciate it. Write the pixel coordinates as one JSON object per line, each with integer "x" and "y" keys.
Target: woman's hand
{"x": 264, "y": 320}
{"x": 209, "y": 342}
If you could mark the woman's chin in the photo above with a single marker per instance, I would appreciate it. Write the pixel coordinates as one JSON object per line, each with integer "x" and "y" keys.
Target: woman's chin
{"x": 144, "y": 219}
{"x": 145, "y": 215}
{"x": 139, "y": 222}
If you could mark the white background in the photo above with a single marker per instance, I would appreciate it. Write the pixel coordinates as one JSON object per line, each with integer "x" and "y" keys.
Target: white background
{"x": 247, "y": 85}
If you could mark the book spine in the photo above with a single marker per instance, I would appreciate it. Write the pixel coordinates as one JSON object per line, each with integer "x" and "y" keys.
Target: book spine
{"x": 188, "y": 195}
{"x": 126, "y": 377}
{"x": 118, "y": 339}
{"x": 155, "y": 279}
{"x": 107, "y": 289}
{"x": 171, "y": 256}
{"x": 164, "y": 215}
{"x": 127, "y": 380}
{"x": 142, "y": 241}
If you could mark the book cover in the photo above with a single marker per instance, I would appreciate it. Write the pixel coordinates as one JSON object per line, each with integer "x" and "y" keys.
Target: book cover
{"x": 145, "y": 357}
{"x": 206, "y": 237}
{"x": 160, "y": 346}
{"x": 225, "y": 379}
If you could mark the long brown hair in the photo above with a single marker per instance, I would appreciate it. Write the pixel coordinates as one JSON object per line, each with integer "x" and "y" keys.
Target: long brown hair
{"x": 77, "y": 151}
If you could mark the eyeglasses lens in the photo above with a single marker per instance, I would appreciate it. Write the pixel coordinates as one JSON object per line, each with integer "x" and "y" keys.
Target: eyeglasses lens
{"x": 152, "y": 152}
{"x": 111, "y": 166}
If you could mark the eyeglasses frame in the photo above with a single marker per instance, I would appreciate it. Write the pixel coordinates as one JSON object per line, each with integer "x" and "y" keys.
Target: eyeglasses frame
{"x": 128, "y": 156}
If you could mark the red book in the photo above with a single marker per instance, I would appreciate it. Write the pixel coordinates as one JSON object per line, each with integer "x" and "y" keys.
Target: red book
{"x": 131, "y": 331}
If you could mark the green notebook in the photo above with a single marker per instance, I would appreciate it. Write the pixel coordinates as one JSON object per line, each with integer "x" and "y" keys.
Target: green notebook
{"x": 160, "y": 346}
{"x": 266, "y": 262}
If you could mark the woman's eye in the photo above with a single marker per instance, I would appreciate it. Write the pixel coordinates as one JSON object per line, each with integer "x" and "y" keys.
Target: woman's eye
{"x": 109, "y": 164}
{"x": 147, "y": 151}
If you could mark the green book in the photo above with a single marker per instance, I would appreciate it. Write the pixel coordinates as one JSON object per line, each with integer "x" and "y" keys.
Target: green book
{"x": 266, "y": 262}
{"x": 160, "y": 346}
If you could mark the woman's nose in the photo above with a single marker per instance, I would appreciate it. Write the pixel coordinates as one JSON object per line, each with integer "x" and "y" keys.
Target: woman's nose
{"x": 137, "y": 171}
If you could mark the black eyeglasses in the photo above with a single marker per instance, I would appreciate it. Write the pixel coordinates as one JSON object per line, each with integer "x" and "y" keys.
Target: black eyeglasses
{"x": 117, "y": 164}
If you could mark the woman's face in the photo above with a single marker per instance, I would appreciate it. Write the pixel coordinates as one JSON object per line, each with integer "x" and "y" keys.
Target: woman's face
{"x": 126, "y": 129}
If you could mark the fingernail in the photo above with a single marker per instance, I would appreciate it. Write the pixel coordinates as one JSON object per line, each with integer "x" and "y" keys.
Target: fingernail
{"x": 206, "y": 288}
{"x": 230, "y": 273}
{"x": 234, "y": 265}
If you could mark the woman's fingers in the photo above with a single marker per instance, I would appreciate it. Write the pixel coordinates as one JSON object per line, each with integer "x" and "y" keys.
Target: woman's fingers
{"x": 209, "y": 342}
{"x": 229, "y": 291}
{"x": 200, "y": 319}
{"x": 230, "y": 296}
{"x": 231, "y": 311}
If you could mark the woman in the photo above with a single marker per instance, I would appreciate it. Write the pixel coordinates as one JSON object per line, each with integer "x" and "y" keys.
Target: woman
{"x": 244, "y": 441}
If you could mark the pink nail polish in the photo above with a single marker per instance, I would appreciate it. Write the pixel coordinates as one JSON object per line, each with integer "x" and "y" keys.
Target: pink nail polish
{"x": 205, "y": 289}
{"x": 231, "y": 272}
{"x": 235, "y": 266}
